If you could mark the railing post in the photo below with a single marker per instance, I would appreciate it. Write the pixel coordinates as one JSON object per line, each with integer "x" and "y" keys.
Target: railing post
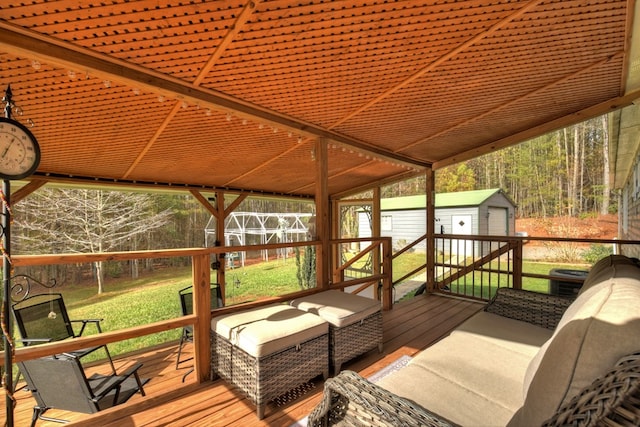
{"x": 202, "y": 309}
{"x": 387, "y": 288}
{"x": 517, "y": 265}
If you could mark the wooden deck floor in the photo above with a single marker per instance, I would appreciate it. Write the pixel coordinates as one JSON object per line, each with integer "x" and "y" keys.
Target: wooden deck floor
{"x": 410, "y": 327}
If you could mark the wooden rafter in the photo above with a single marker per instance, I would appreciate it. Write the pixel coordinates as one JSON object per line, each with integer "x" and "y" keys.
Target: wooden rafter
{"x": 442, "y": 59}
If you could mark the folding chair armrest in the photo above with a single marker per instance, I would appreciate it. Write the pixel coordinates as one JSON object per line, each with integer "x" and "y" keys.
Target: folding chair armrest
{"x": 87, "y": 321}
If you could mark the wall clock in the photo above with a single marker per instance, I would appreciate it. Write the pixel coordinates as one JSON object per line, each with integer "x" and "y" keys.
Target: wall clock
{"x": 19, "y": 150}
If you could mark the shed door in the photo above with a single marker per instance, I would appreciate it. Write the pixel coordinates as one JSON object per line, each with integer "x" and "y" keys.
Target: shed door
{"x": 461, "y": 224}
{"x": 498, "y": 225}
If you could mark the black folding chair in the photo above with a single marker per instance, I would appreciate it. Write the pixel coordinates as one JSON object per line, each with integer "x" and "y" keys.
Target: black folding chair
{"x": 186, "y": 305}
{"x": 60, "y": 382}
{"x": 44, "y": 318}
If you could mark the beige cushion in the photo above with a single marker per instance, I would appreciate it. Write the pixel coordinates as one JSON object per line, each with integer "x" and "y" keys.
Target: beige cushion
{"x": 608, "y": 268}
{"x": 266, "y": 330}
{"x": 518, "y": 336}
{"x": 467, "y": 379}
{"x": 601, "y": 326}
{"x": 338, "y": 308}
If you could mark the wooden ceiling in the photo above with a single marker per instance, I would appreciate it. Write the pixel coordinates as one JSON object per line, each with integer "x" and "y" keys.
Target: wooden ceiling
{"x": 233, "y": 94}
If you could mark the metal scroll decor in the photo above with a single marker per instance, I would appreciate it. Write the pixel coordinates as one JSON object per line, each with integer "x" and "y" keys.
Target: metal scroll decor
{"x": 21, "y": 285}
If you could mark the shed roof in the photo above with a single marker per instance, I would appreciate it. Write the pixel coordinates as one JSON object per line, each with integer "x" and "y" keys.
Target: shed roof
{"x": 443, "y": 200}
{"x": 231, "y": 94}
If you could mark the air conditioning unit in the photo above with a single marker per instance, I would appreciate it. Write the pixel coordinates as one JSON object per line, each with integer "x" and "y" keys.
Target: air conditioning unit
{"x": 565, "y": 282}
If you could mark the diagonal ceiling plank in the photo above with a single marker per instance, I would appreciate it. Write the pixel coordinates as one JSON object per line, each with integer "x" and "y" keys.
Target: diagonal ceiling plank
{"x": 430, "y": 67}
{"x": 514, "y": 101}
{"x": 153, "y": 139}
{"x": 246, "y": 13}
{"x": 577, "y": 117}
{"x": 242, "y": 19}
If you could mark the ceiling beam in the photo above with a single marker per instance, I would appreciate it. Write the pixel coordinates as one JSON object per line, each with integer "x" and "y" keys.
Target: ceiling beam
{"x": 23, "y": 192}
{"x": 26, "y": 43}
{"x": 156, "y": 186}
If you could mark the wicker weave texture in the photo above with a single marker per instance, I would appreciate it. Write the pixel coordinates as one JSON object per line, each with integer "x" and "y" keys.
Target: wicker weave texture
{"x": 265, "y": 378}
{"x": 532, "y": 307}
{"x": 355, "y": 339}
{"x": 612, "y": 400}
{"x": 350, "y": 400}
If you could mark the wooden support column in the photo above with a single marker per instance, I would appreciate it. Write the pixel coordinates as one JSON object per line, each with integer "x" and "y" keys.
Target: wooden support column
{"x": 517, "y": 265}
{"x": 322, "y": 213}
{"x": 387, "y": 286}
{"x": 376, "y": 232}
{"x": 431, "y": 217}
{"x": 220, "y": 239}
{"x": 202, "y": 309}
{"x": 336, "y": 219}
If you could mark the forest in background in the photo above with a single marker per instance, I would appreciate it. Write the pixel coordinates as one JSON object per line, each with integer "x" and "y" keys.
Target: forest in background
{"x": 562, "y": 173}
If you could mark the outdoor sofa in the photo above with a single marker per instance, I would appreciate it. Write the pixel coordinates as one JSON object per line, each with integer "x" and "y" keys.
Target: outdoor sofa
{"x": 527, "y": 359}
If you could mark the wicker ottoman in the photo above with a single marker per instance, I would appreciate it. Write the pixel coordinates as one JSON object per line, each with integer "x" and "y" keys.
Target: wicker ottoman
{"x": 268, "y": 351}
{"x": 355, "y": 323}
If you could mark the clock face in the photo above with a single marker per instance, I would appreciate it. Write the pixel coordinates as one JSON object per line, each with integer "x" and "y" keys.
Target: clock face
{"x": 19, "y": 150}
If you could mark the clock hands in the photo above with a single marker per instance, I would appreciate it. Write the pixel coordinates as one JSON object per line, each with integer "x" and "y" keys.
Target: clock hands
{"x": 4, "y": 153}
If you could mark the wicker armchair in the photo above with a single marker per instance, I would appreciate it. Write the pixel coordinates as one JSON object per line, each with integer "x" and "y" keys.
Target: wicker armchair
{"x": 350, "y": 400}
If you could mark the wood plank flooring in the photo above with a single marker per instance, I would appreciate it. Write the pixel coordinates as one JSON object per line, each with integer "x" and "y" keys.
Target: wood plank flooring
{"x": 409, "y": 328}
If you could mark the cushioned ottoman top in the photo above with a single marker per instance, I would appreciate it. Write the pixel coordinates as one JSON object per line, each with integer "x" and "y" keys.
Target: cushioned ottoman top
{"x": 338, "y": 308}
{"x": 269, "y": 329}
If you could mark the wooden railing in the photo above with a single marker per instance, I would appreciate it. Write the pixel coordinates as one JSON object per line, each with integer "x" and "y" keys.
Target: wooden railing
{"x": 476, "y": 266}
{"x": 200, "y": 320}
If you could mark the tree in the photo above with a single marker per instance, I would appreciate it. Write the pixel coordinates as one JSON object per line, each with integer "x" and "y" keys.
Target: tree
{"x": 606, "y": 188}
{"x": 455, "y": 178}
{"x": 306, "y": 267}
{"x": 85, "y": 221}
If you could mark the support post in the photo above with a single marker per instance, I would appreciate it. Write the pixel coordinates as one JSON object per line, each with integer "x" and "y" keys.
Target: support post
{"x": 322, "y": 213}
{"x": 6, "y": 283}
{"x": 202, "y": 309}
{"x": 387, "y": 285}
{"x": 377, "y": 232}
{"x": 431, "y": 239}
{"x": 221, "y": 216}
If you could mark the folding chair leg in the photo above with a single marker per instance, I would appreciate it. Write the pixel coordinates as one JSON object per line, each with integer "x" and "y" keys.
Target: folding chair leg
{"x": 183, "y": 339}
{"x": 38, "y": 413}
{"x": 113, "y": 368}
{"x": 184, "y": 377}
{"x": 16, "y": 380}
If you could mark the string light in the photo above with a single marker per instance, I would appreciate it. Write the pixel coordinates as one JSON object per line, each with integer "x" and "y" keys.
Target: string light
{"x": 229, "y": 117}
